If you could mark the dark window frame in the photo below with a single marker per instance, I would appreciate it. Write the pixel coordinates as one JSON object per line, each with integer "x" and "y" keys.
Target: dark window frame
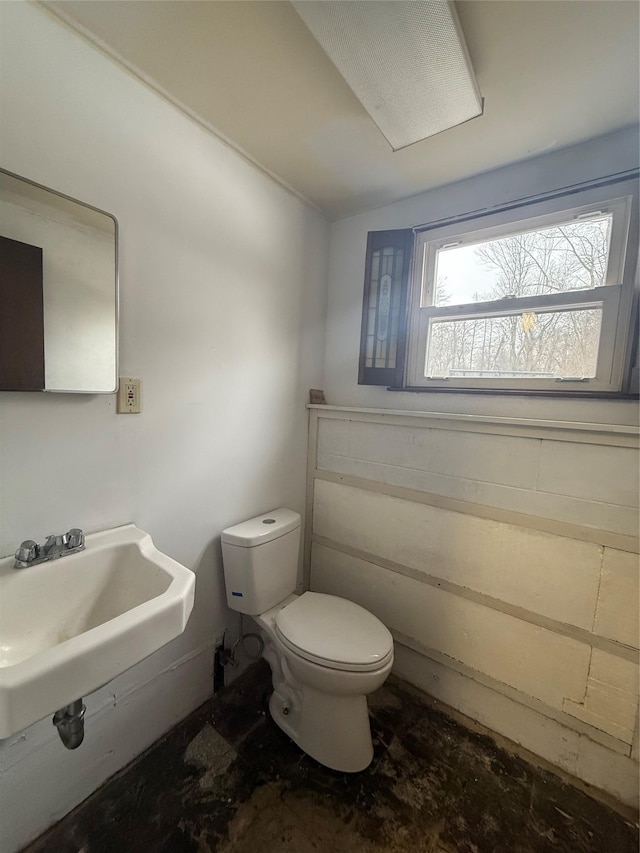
{"x": 402, "y": 239}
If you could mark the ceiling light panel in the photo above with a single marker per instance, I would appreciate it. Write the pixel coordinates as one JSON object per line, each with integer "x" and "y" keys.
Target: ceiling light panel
{"x": 405, "y": 60}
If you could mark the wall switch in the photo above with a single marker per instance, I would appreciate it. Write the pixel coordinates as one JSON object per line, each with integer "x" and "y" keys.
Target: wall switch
{"x": 129, "y": 396}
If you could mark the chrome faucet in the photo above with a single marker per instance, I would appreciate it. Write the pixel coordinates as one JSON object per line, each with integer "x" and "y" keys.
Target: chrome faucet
{"x": 30, "y": 553}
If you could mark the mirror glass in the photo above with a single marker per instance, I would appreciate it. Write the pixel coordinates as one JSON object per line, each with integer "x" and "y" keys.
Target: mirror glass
{"x": 58, "y": 291}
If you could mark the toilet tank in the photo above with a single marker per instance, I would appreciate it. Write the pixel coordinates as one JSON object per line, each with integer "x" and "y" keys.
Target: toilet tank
{"x": 260, "y": 559}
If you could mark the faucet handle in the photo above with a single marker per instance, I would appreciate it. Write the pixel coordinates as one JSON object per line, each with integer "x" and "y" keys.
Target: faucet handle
{"x": 54, "y": 539}
{"x": 75, "y": 538}
{"x": 28, "y": 551}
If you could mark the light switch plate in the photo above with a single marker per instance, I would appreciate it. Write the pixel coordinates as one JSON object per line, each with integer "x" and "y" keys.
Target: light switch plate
{"x": 129, "y": 396}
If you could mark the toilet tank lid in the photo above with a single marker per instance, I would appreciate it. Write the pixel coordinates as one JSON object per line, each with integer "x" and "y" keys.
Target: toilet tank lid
{"x": 262, "y": 528}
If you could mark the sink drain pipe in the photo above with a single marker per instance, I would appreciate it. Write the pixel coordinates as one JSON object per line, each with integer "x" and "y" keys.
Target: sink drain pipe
{"x": 70, "y": 724}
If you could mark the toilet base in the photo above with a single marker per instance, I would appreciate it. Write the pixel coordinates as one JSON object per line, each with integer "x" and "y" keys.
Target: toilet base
{"x": 334, "y": 730}
{"x": 323, "y": 710}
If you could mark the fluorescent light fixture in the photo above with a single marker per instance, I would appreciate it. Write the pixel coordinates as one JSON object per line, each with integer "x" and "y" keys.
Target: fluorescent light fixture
{"x": 405, "y": 60}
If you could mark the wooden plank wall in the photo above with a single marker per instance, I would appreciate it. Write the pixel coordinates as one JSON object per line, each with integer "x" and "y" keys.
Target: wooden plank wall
{"x": 503, "y": 556}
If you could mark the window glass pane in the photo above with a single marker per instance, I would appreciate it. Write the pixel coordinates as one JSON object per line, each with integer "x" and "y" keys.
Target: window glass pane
{"x": 569, "y": 256}
{"x": 384, "y": 308}
{"x": 531, "y": 345}
{"x": 373, "y": 307}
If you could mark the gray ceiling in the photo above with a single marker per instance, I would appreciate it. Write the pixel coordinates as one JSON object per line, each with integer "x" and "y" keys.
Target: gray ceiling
{"x": 552, "y": 74}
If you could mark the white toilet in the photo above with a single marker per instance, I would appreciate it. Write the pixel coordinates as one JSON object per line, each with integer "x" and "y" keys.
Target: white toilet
{"x": 326, "y": 653}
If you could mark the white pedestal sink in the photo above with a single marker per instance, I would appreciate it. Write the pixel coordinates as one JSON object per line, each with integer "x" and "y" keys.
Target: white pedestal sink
{"x": 69, "y": 626}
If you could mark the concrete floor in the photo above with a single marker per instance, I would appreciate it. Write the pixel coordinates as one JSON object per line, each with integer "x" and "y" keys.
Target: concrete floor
{"x": 228, "y": 780}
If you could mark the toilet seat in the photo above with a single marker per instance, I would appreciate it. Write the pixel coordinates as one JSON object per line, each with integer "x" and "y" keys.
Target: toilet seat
{"x": 334, "y": 632}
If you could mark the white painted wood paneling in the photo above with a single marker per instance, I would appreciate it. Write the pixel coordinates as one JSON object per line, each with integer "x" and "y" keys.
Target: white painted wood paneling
{"x": 578, "y": 511}
{"x": 616, "y": 774}
{"x": 502, "y": 471}
{"x": 552, "y": 741}
{"x": 610, "y": 432}
{"x": 524, "y": 580}
{"x": 474, "y": 456}
{"x": 617, "y": 610}
{"x": 606, "y": 474}
{"x": 354, "y": 467}
{"x": 544, "y": 737}
{"x": 617, "y": 672}
{"x": 602, "y": 709}
{"x": 333, "y": 436}
{"x": 551, "y": 575}
{"x": 533, "y": 660}
{"x": 611, "y": 699}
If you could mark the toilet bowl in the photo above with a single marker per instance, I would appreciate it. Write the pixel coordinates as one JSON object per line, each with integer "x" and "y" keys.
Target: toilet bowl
{"x": 320, "y": 702}
{"x": 326, "y": 653}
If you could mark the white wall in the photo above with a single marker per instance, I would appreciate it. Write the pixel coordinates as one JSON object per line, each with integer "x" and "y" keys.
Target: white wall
{"x": 222, "y": 277}
{"x": 606, "y": 155}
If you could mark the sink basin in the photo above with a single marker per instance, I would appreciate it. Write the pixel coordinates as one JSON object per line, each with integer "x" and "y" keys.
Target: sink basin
{"x": 67, "y": 627}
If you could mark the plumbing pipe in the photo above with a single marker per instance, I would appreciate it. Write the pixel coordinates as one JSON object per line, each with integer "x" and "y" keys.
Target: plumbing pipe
{"x": 70, "y": 724}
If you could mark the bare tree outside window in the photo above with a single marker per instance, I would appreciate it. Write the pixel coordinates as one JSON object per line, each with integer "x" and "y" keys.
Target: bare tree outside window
{"x": 528, "y": 344}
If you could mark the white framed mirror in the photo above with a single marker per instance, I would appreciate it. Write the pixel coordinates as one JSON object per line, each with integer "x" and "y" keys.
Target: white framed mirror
{"x": 58, "y": 291}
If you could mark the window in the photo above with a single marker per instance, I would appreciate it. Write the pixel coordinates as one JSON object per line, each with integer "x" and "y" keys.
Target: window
{"x": 536, "y": 298}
